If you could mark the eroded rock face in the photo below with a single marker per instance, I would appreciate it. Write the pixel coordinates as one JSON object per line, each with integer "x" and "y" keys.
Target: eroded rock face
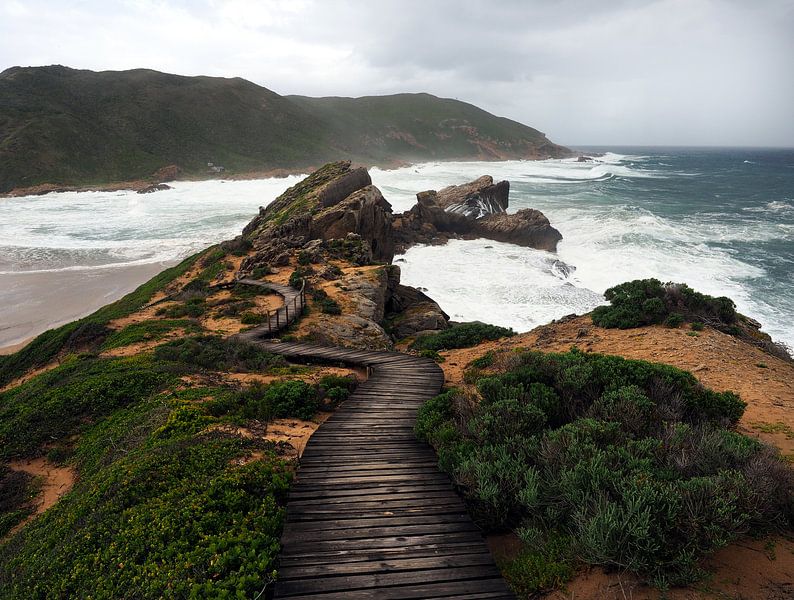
{"x": 476, "y": 199}
{"x": 472, "y": 210}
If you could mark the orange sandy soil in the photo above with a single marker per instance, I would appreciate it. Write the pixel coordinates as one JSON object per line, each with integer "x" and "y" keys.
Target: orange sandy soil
{"x": 751, "y": 569}
{"x": 56, "y": 481}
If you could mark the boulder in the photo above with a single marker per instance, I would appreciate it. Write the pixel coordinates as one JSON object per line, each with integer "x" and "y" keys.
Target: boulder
{"x": 527, "y": 227}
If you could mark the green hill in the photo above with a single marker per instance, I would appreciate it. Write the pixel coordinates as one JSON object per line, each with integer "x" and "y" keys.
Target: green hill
{"x": 65, "y": 126}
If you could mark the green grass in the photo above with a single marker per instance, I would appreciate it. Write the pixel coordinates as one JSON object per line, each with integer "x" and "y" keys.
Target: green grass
{"x": 73, "y": 396}
{"x": 161, "y": 507}
{"x": 50, "y": 344}
{"x": 146, "y": 331}
{"x": 464, "y": 335}
{"x": 635, "y": 463}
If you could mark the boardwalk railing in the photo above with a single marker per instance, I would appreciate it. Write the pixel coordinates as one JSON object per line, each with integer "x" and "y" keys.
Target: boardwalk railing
{"x": 279, "y": 319}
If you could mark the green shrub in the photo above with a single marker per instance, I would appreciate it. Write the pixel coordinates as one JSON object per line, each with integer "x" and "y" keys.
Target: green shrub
{"x": 193, "y": 308}
{"x": 697, "y": 326}
{"x": 432, "y": 355}
{"x": 252, "y": 318}
{"x": 629, "y": 460}
{"x": 673, "y": 321}
{"x": 540, "y": 567}
{"x": 648, "y": 302}
{"x": 327, "y": 304}
{"x": 336, "y": 389}
{"x": 292, "y": 399}
{"x": 299, "y": 274}
{"x": 464, "y": 335}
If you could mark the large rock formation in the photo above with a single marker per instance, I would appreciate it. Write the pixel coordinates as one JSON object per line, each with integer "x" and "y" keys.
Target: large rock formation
{"x": 473, "y": 210}
{"x": 329, "y": 204}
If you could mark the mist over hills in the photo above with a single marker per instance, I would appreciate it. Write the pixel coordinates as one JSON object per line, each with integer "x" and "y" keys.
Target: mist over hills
{"x": 77, "y": 127}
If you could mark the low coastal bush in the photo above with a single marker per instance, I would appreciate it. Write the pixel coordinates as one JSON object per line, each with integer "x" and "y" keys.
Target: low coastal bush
{"x": 173, "y": 517}
{"x": 53, "y": 343}
{"x": 649, "y": 302}
{"x": 299, "y": 275}
{"x": 633, "y": 462}
{"x": 216, "y": 353}
{"x": 193, "y": 308}
{"x": 464, "y": 335}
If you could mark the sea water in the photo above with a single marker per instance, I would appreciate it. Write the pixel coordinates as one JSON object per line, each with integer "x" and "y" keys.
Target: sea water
{"x": 721, "y": 220}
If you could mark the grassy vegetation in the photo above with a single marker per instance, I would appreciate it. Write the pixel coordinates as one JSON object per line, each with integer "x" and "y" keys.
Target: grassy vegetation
{"x": 73, "y": 396}
{"x": 219, "y": 354}
{"x": 634, "y": 463}
{"x": 464, "y": 335}
{"x": 146, "y": 331}
{"x": 90, "y": 331}
{"x": 17, "y": 491}
{"x": 163, "y": 506}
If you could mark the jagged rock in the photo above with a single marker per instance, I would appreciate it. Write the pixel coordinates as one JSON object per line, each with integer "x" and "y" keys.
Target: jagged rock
{"x": 474, "y": 210}
{"x": 155, "y": 187}
{"x": 476, "y": 199}
{"x": 329, "y": 204}
{"x": 364, "y": 212}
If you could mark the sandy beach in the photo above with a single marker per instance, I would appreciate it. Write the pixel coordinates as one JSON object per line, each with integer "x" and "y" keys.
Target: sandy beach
{"x": 31, "y": 303}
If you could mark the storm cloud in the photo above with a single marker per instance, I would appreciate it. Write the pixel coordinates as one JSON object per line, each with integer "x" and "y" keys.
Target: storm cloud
{"x": 656, "y": 72}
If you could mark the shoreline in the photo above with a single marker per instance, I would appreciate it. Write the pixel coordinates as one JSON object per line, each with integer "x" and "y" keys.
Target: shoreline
{"x": 275, "y": 173}
{"x": 62, "y": 297}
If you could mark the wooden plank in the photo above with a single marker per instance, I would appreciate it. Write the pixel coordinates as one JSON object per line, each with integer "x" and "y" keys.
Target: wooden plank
{"x": 369, "y": 514}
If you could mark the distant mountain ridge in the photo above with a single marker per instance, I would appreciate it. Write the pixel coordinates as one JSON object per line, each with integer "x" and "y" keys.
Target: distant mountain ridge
{"x": 76, "y": 127}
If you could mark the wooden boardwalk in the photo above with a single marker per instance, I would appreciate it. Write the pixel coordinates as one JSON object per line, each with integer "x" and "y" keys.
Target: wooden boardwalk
{"x": 369, "y": 514}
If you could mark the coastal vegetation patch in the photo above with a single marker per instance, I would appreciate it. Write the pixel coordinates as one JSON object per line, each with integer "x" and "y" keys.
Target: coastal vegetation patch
{"x": 462, "y": 335}
{"x": 650, "y": 302}
{"x": 635, "y": 465}
{"x": 170, "y": 501}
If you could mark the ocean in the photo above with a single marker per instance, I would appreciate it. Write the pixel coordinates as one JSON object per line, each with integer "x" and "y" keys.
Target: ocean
{"x": 721, "y": 220}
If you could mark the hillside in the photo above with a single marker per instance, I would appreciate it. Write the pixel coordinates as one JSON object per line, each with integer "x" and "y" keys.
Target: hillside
{"x": 75, "y": 127}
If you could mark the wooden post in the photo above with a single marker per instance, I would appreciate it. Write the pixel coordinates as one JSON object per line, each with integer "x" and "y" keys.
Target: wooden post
{"x": 278, "y": 326}
{"x": 269, "y": 327}
{"x": 295, "y": 306}
{"x": 286, "y": 313}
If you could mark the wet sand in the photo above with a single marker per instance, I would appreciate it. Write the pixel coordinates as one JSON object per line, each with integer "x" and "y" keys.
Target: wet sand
{"x": 31, "y": 303}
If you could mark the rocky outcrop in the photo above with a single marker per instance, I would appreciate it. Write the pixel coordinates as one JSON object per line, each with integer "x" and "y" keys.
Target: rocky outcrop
{"x": 333, "y": 202}
{"x": 473, "y": 210}
{"x": 527, "y": 227}
{"x": 477, "y": 199}
{"x": 410, "y": 311}
{"x": 155, "y": 187}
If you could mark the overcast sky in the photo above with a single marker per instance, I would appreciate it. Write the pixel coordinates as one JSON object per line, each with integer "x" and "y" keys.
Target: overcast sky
{"x": 656, "y": 72}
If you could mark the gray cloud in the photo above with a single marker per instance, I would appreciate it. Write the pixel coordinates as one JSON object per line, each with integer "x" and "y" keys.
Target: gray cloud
{"x": 636, "y": 72}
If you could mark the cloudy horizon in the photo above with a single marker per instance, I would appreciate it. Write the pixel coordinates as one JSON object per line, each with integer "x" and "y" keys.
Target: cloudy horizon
{"x": 652, "y": 72}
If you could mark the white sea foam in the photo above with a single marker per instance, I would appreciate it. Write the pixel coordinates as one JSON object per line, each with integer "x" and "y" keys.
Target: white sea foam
{"x": 604, "y": 243}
